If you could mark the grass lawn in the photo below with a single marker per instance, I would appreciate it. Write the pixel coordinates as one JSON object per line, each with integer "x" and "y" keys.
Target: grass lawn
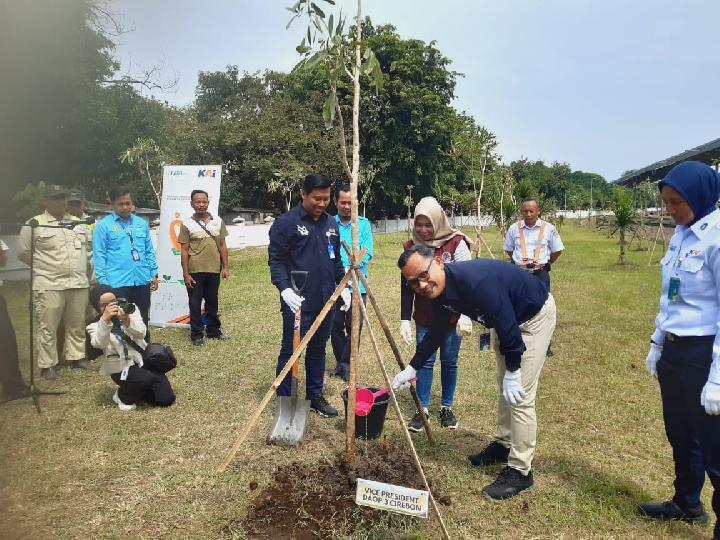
{"x": 83, "y": 469}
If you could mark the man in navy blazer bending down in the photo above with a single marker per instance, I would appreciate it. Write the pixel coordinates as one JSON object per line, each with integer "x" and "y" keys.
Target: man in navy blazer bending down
{"x": 522, "y": 313}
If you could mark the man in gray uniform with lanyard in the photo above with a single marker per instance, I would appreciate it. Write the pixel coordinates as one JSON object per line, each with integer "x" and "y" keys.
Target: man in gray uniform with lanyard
{"x": 533, "y": 244}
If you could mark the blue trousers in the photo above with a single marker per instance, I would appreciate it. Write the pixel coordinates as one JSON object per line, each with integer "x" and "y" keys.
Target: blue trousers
{"x": 449, "y": 350}
{"x": 693, "y": 434}
{"x": 314, "y": 354}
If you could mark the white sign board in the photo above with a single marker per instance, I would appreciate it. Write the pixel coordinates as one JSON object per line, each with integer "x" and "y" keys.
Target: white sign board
{"x": 169, "y": 305}
{"x": 403, "y": 500}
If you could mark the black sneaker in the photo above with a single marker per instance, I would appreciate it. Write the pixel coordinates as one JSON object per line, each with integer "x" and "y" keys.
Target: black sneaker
{"x": 220, "y": 337}
{"x": 416, "y": 424}
{"x": 198, "y": 342}
{"x": 669, "y": 510}
{"x": 508, "y": 484}
{"x": 321, "y": 406}
{"x": 447, "y": 418}
{"x": 493, "y": 453}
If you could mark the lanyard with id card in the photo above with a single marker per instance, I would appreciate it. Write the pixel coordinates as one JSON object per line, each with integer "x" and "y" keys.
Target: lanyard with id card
{"x": 133, "y": 251}
{"x": 674, "y": 284}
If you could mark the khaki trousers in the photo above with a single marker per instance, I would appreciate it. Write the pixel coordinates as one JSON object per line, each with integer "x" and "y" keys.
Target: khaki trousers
{"x": 51, "y": 308}
{"x": 517, "y": 424}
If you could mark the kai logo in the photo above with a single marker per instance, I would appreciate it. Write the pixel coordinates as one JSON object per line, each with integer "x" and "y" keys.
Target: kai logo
{"x": 206, "y": 173}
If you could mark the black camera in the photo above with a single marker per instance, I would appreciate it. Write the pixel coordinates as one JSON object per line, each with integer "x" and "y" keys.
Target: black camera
{"x": 127, "y": 307}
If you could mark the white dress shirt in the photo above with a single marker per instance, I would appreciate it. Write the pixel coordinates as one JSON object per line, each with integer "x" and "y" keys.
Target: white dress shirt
{"x": 693, "y": 257}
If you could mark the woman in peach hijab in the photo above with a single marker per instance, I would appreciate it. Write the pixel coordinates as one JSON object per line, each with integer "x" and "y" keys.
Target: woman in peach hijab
{"x": 432, "y": 229}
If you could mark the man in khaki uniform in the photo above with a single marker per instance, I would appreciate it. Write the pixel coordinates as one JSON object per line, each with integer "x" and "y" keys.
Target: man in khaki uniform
{"x": 60, "y": 284}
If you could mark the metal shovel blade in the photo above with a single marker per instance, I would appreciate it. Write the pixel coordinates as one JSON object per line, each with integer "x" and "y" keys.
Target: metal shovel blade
{"x": 290, "y": 421}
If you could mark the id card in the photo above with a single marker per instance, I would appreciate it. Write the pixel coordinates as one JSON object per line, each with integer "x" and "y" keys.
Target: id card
{"x": 674, "y": 289}
{"x": 124, "y": 374}
{"x": 331, "y": 251}
{"x": 135, "y": 254}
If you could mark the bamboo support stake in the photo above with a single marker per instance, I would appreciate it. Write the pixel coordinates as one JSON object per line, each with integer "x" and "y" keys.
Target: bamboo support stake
{"x": 396, "y": 352}
{"x": 285, "y": 370}
{"x": 408, "y": 438}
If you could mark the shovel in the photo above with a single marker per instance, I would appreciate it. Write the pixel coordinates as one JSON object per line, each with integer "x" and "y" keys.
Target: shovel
{"x": 365, "y": 399}
{"x": 291, "y": 413}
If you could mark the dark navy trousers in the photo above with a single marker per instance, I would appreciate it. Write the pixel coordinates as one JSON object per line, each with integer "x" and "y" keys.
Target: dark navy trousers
{"x": 693, "y": 434}
{"x": 314, "y": 354}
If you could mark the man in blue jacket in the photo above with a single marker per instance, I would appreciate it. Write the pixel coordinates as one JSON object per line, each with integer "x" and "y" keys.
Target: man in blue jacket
{"x": 123, "y": 253}
{"x": 306, "y": 238}
{"x": 342, "y": 324}
{"x": 520, "y": 309}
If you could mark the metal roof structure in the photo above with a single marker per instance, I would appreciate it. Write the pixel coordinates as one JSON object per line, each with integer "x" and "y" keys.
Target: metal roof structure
{"x": 707, "y": 153}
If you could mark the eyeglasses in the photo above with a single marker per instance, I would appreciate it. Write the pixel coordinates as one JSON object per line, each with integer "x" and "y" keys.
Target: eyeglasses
{"x": 422, "y": 277}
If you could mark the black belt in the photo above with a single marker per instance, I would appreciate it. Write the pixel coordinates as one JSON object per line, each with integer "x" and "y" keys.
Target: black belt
{"x": 674, "y": 338}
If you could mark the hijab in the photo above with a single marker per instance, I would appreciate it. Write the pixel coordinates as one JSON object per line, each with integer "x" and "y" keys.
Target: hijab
{"x": 442, "y": 231}
{"x": 697, "y": 183}
{"x": 96, "y": 292}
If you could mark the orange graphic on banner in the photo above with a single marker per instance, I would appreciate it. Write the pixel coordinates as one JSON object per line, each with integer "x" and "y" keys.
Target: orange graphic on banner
{"x": 174, "y": 232}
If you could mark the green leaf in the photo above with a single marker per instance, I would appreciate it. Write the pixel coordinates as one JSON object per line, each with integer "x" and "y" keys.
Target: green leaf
{"x": 317, "y": 10}
{"x": 314, "y": 59}
{"x": 331, "y": 2}
{"x": 330, "y": 24}
{"x": 329, "y": 109}
{"x": 302, "y": 48}
{"x": 309, "y": 37}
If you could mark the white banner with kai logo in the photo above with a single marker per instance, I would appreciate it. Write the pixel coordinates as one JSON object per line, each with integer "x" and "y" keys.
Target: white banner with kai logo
{"x": 170, "y": 302}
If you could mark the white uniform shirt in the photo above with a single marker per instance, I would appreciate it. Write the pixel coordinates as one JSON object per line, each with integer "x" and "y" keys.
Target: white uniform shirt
{"x": 693, "y": 257}
{"x": 550, "y": 242}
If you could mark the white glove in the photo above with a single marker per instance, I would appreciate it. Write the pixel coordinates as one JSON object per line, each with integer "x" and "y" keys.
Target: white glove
{"x": 293, "y": 300}
{"x": 464, "y": 326}
{"x": 710, "y": 398}
{"x": 652, "y": 358}
{"x": 513, "y": 391}
{"x": 346, "y": 296}
{"x": 402, "y": 379}
{"x": 406, "y": 332}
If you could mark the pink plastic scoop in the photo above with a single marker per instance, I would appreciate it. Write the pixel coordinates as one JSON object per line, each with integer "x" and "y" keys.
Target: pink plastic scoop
{"x": 365, "y": 399}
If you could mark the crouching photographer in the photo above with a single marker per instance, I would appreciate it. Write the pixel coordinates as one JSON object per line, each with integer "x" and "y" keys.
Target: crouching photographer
{"x": 118, "y": 335}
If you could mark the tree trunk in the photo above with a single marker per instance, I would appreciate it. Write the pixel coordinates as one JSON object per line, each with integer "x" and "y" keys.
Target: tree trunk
{"x": 355, "y": 330}
{"x": 622, "y": 245}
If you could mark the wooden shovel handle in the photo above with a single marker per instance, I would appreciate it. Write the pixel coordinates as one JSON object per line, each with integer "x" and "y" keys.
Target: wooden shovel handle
{"x": 296, "y": 342}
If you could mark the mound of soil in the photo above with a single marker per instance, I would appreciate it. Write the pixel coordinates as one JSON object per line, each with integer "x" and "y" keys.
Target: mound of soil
{"x": 307, "y": 501}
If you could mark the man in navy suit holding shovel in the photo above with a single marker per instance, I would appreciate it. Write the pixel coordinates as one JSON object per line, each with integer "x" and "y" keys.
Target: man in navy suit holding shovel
{"x": 306, "y": 238}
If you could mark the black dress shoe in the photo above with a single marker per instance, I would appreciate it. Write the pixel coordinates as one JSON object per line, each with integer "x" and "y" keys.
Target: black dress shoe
{"x": 493, "y": 453}
{"x": 670, "y": 511}
{"x": 508, "y": 484}
{"x": 198, "y": 342}
{"x": 49, "y": 373}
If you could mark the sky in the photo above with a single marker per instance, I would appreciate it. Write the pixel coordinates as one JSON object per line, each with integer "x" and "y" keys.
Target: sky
{"x": 605, "y": 86}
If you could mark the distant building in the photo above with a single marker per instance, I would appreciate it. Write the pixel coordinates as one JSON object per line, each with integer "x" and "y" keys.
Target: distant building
{"x": 100, "y": 210}
{"x": 250, "y": 215}
{"x": 707, "y": 153}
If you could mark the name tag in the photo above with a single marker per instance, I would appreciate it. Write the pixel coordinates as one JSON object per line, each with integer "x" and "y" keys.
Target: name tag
{"x": 135, "y": 254}
{"x": 124, "y": 374}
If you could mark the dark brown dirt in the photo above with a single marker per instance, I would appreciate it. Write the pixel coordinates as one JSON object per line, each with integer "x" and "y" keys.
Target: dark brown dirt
{"x": 308, "y": 501}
